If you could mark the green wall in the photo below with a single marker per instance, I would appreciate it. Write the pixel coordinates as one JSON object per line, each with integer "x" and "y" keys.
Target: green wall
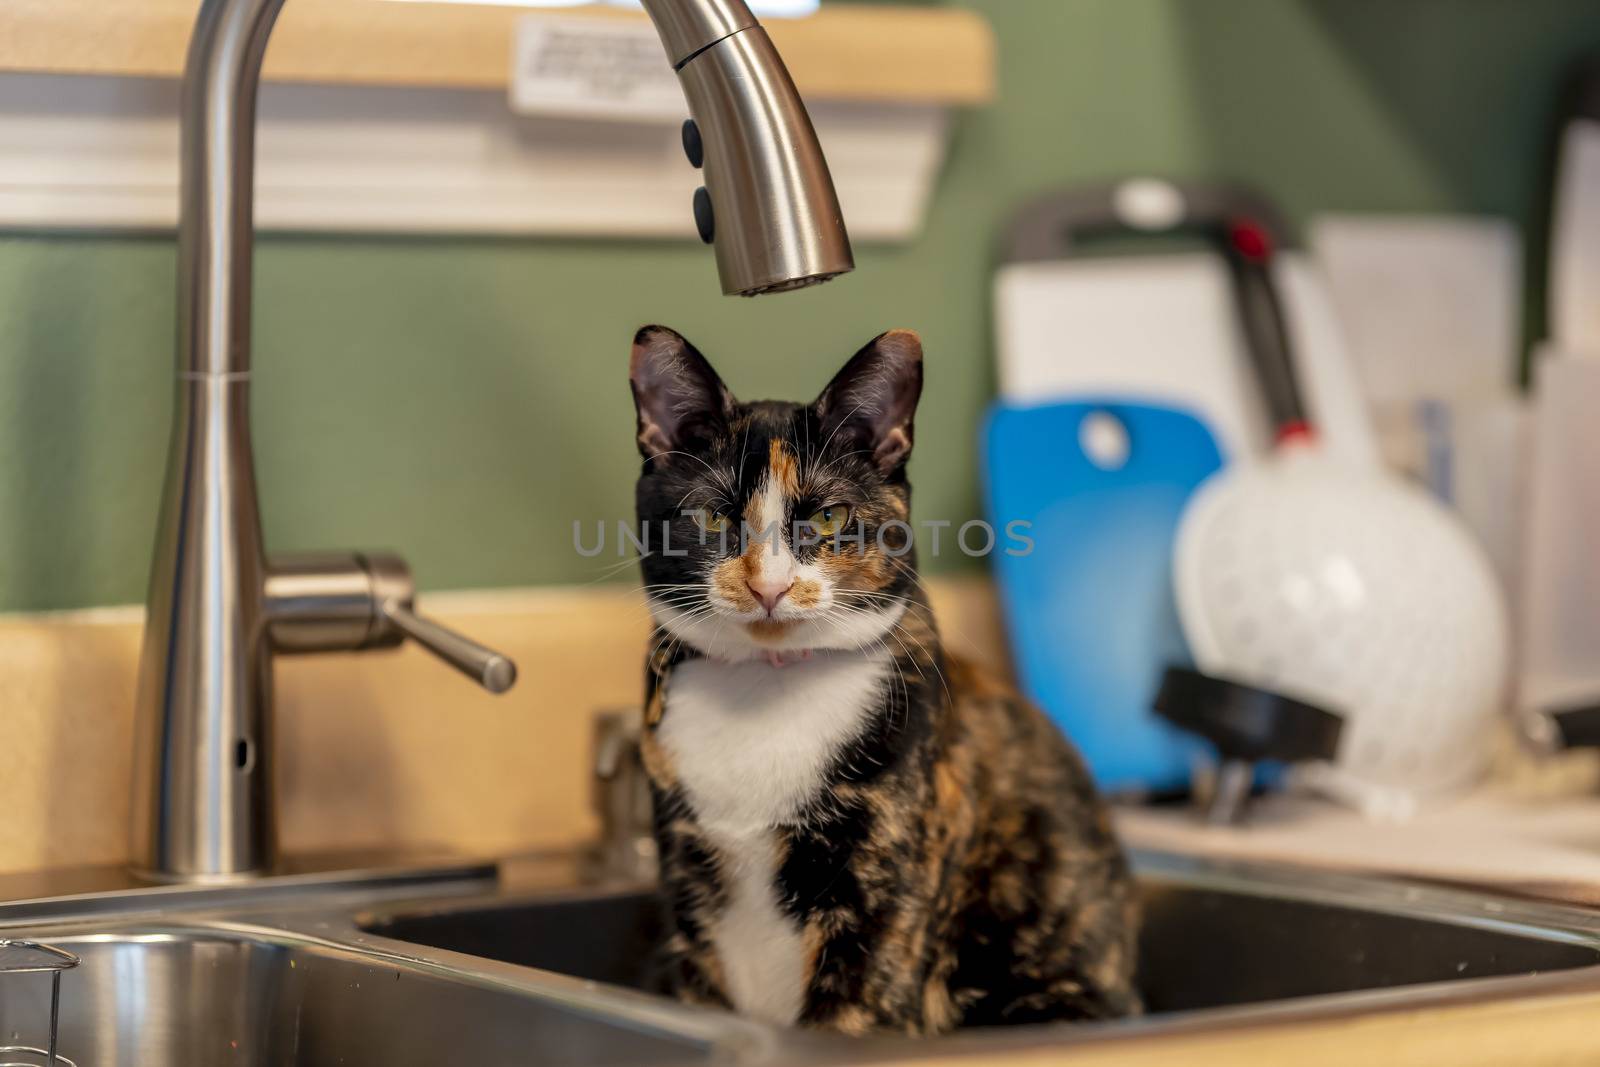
{"x": 465, "y": 400}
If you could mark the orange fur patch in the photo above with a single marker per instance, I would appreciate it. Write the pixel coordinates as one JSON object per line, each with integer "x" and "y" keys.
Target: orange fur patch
{"x": 657, "y": 764}
{"x": 866, "y": 570}
{"x": 785, "y": 473}
{"x": 752, "y": 522}
{"x": 813, "y": 938}
{"x": 731, "y": 578}
{"x": 805, "y": 593}
{"x": 769, "y": 629}
{"x": 907, "y": 343}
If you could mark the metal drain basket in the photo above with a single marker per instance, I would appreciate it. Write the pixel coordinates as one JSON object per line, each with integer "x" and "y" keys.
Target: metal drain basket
{"x": 30, "y": 957}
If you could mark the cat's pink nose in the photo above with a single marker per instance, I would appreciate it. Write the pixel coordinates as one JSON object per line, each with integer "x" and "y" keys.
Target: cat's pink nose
{"x": 769, "y": 591}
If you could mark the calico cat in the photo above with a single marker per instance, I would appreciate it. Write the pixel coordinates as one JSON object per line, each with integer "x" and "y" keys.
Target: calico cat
{"x": 857, "y": 831}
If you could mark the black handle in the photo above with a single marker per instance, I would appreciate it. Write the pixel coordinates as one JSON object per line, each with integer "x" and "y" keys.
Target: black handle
{"x": 1058, "y": 225}
{"x": 1583, "y": 93}
{"x": 1244, "y": 225}
{"x": 1248, "y": 245}
{"x": 1577, "y": 727}
{"x": 1246, "y": 723}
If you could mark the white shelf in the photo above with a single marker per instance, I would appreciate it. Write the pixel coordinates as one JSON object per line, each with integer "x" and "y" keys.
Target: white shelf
{"x": 102, "y": 152}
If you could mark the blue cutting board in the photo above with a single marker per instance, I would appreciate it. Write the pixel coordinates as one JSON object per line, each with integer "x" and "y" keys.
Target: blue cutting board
{"x": 1090, "y": 608}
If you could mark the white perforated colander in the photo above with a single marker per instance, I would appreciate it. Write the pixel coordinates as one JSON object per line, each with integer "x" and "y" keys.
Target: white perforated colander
{"x": 1349, "y": 589}
{"x": 1342, "y": 586}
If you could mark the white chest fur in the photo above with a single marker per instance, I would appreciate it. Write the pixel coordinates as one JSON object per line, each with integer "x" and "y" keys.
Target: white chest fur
{"x": 750, "y": 743}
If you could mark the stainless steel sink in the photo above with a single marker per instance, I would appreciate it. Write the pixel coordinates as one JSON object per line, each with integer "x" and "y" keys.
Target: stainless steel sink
{"x": 255, "y": 978}
{"x": 183, "y": 995}
{"x": 1214, "y": 937}
{"x": 418, "y": 971}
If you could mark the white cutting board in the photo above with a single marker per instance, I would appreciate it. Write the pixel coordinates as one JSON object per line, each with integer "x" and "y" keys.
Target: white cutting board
{"x": 1560, "y": 598}
{"x": 1431, "y": 304}
{"x": 1164, "y": 329}
{"x": 1575, "y": 242}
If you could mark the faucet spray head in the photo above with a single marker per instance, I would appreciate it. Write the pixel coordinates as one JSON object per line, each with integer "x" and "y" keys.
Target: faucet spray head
{"x": 769, "y": 205}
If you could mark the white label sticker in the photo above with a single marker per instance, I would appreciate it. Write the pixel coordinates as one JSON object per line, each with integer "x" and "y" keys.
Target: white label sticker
{"x": 593, "y": 68}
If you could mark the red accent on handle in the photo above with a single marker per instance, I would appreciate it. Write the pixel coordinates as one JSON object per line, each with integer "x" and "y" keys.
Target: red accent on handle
{"x": 1250, "y": 239}
{"x": 1296, "y": 432}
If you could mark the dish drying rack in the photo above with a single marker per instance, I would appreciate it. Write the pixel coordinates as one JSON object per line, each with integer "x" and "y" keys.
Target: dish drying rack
{"x": 31, "y": 957}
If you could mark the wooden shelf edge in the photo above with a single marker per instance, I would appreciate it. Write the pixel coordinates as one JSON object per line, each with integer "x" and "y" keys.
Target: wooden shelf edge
{"x": 872, "y": 53}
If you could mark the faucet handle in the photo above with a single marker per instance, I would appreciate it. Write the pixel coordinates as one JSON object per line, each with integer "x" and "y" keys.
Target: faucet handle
{"x": 627, "y": 845}
{"x": 350, "y": 601}
{"x": 488, "y": 668}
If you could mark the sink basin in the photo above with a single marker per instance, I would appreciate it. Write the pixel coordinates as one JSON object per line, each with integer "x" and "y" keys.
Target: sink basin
{"x": 1214, "y": 936}
{"x": 422, "y": 970}
{"x": 608, "y": 936}
{"x": 181, "y": 995}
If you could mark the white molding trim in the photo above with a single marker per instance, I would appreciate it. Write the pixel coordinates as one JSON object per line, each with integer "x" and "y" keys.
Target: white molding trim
{"x": 102, "y": 153}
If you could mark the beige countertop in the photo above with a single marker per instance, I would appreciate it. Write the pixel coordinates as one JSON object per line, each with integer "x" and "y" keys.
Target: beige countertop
{"x": 1496, "y": 837}
{"x": 1547, "y": 1032}
{"x": 376, "y": 751}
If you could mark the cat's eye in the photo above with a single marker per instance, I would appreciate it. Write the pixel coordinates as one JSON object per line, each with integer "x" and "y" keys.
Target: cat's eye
{"x": 711, "y": 522}
{"x": 828, "y": 521}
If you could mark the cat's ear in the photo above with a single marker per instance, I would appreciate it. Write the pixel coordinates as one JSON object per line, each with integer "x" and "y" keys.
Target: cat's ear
{"x": 679, "y": 398}
{"x": 870, "y": 403}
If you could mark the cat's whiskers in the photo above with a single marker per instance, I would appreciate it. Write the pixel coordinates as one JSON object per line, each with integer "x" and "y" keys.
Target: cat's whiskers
{"x": 687, "y": 613}
{"x": 713, "y": 497}
{"x": 847, "y": 610}
{"x": 614, "y": 568}
{"x": 650, "y": 590}
{"x": 683, "y": 605}
{"x": 830, "y": 463}
{"x": 933, "y": 660}
{"x": 878, "y": 597}
{"x": 679, "y": 452}
{"x": 823, "y": 470}
{"x": 839, "y": 426}
{"x": 896, "y": 630}
{"x": 915, "y": 579}
{"x": 905, "y": 685}
{"x": 690, "y": 617}
{"x": 910, "y": 604}
{"x": 807, "y": 453}
{"x": 744, "y": 445}
{"x": 673, "y": 596}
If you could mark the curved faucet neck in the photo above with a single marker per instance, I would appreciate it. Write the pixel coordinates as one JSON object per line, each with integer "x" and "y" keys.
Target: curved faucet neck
{"x": 216, "y": 216}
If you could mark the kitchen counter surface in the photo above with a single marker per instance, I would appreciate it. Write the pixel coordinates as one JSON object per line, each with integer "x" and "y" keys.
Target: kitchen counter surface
{"x": 1544, "y": 848}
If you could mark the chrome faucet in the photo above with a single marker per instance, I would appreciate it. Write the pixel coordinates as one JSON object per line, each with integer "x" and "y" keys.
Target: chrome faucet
{"x": 218, "y": 608}
{"x": 626, "y": 848}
